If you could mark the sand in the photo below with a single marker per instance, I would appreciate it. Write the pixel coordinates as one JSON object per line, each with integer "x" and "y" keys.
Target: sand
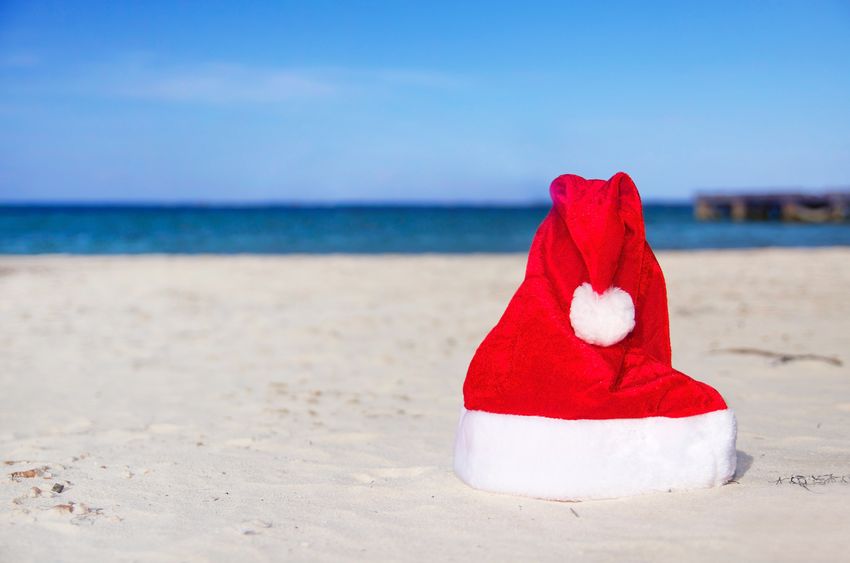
{"x": 303, "y": 408}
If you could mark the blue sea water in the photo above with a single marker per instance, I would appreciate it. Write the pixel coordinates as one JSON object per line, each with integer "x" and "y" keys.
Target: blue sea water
{"x": 352, "y": 229}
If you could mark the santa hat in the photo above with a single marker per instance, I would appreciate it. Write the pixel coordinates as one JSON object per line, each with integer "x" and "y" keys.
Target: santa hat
{"x": 572, "y": 395}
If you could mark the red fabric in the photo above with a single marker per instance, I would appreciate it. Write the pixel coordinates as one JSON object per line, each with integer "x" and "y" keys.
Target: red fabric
{"x": 532, "y": 363}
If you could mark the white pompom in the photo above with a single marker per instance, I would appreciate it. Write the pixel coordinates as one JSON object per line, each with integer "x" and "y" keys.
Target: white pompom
{"x": 602, "y": 319}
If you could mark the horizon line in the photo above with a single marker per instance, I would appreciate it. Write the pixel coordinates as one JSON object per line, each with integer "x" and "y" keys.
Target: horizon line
{"x": 307, "y": 204}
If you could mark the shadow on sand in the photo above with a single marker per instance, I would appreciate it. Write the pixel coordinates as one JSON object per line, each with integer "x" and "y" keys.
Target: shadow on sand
{"x": 744, "y": 462}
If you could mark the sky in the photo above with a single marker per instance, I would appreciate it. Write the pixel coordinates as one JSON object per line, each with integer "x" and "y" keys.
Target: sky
{"x": 474, "y": 102}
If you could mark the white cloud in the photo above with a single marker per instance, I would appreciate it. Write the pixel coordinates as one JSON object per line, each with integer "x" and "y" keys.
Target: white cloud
{"x": 19, "y": 60}
{"x": 223, "y": 84}
{"x": 144, "y": 76}
{"x": 218, "y": 83}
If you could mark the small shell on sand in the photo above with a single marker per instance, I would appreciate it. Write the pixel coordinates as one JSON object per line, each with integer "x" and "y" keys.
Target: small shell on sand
{"x": 28, "y": 473}
{"x": 76, "y": 508}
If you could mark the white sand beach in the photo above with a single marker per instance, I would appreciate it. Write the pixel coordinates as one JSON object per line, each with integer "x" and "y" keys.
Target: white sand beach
{"x": 303, "y": 408}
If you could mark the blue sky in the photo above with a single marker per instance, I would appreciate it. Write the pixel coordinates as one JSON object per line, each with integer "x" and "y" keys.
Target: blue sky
{"x": 431, "y": 101}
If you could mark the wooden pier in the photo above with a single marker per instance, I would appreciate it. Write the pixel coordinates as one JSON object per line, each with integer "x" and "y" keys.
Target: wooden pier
{"x": 793, "y": 207}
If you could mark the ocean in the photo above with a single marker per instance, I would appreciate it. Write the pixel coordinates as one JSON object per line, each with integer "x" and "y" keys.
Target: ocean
{"x": 40, "y": 229}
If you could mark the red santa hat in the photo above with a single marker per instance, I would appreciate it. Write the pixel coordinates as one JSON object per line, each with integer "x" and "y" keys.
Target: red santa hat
{"x": 572, "y": 395}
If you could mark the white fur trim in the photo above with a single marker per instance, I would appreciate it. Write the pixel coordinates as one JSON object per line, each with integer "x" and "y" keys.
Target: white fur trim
{"x": 602, "y": 319}
{"x": 592, "y": 459}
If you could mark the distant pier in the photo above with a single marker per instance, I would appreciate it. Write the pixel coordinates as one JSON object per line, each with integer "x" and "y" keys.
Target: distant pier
{"x": 792, "y": 207}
